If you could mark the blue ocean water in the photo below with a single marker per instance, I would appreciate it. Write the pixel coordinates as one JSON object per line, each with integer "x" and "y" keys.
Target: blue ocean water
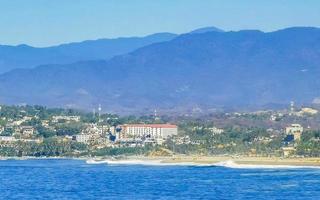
{"x": 74, "y": 179}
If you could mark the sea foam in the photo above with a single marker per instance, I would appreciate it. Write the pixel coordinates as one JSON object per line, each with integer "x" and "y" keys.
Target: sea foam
{"x": 95, "y": 162}
{"x": 145, "y": 162}
{"x": 227, "y": 164}
{"x": 234, "y": 165}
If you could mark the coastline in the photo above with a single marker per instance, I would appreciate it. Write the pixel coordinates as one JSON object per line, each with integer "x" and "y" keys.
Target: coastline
{"x": 246, "y": 160}
{"x": 201, "y": 160}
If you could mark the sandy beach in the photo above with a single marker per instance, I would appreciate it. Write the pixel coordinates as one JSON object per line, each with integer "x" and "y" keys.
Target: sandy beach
{"x": 241, "y": 160}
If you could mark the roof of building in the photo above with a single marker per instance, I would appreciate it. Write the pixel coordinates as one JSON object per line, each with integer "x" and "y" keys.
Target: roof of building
{"x": 151, "y": 125}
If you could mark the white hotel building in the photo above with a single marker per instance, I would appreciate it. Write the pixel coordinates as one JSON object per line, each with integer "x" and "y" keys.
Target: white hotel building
{"x": 154, "y": 131}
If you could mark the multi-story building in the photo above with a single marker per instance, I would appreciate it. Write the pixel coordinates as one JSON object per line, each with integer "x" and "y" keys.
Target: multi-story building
{"x": 295, "y": 130}
{"x": 153, "y": 131}
{"x": 83, "y": 138}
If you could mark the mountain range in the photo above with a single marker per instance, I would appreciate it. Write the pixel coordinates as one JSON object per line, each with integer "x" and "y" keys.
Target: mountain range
{"x": 206, "y": 69}
{"x": 24, "y": 56}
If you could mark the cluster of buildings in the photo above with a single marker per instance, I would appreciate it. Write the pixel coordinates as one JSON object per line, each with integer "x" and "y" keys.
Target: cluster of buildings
{"x": 22, "y": 133}
{"x": 94, "y": 134}
{"x": 99, "y": 135}
{"x": 129, "y": 134}
{"x": 303, "y": 111}
{"x": 16, "y": 131}
{"x": 18, "y": 128}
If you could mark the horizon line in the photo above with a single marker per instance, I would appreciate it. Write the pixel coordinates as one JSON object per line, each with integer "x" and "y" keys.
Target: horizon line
{"x": 148, "y": 34}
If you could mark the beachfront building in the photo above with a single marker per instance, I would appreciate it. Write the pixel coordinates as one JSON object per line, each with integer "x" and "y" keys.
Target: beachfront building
{"x": 295, "y": 130}
{"x": 157, "y": 132}
{"x": 288, "y": 151}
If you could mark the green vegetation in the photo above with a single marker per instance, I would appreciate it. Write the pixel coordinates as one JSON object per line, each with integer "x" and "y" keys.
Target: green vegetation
{"x": 49, "y": 147}
{"x": 243, "y": 134}
{"x": 122, "y": 151}
{"x": 309, "y": 144}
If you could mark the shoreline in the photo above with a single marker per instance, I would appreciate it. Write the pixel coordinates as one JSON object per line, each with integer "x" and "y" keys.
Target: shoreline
{"x": 202, "y": 160}
{"x": 245, "y": 160}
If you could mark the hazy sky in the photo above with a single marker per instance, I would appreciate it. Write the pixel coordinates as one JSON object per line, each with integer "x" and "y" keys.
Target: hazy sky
{"x": 49, "y": 22}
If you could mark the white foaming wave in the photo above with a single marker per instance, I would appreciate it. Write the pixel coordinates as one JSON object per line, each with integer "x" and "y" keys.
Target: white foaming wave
{"x": 232, "y": 164}
{"x": 227, "y": 164}
{"x": 95, "y": 162}
{"x": 145, "y": 162}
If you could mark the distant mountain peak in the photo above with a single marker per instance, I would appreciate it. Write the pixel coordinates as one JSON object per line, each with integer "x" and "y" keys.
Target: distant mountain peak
{"x": 23, "y": 46}
{"x": 232, "y": 70}
{"x": 207, "y": 29}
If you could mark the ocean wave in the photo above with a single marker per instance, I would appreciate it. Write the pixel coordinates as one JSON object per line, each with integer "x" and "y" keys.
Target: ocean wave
{"x": 145, "y": 162}
{"x": 95, "y": 162}
{"x": 234, "y": 165}
{"x": 227, "y": 164}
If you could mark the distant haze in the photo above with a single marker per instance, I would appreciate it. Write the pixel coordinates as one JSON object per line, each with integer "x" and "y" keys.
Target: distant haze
{"x": 43, "y": 23}
{"x": 206, "y": 70}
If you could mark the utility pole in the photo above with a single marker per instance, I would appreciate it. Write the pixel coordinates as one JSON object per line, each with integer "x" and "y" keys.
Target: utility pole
{"x": 99, "y": 111}
{"x": 292, "y": 107}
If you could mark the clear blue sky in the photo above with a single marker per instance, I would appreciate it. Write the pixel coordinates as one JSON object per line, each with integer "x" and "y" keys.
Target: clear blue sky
{"x": 49, "y": 22}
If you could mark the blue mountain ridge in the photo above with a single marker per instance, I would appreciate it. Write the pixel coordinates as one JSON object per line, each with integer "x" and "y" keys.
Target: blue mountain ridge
{"x": 24, "y": 56}
{"x": 210, "y": 69}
